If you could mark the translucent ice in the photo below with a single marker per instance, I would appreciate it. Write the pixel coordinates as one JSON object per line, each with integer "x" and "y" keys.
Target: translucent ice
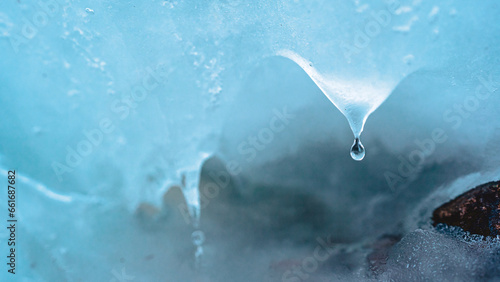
{"x": 431, "y": 255}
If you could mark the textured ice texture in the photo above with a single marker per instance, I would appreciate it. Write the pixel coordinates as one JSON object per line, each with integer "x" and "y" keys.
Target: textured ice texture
{"x": 475, "y": 211}
{"x": 430, "y": 255}
{"x": 107, "y": 105}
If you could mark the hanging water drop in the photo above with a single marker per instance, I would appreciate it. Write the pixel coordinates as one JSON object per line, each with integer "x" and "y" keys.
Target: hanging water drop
{"x": 357, "y": 150}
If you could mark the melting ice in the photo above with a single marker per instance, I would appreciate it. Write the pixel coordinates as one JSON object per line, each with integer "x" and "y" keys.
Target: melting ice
{"x": 114, "y": 211}
{"x": 356, "y": 99}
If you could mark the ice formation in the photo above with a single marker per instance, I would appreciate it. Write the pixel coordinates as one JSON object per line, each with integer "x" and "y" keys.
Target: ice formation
{"x": 115, "y": 111}
{"x": 355, "y": 99}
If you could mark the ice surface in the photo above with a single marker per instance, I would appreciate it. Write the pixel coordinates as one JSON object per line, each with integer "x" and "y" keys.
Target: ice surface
{"x": 116, "y": 114}
{"x": 355, "y": 99}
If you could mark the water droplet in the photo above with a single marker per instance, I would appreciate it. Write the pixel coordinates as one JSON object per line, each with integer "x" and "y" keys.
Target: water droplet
{"x": 198, "y": 237}
{"x": 357, "y": 150}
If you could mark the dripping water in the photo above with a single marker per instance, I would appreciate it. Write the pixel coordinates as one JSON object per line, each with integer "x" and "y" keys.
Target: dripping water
{"x": 357, "y": 150}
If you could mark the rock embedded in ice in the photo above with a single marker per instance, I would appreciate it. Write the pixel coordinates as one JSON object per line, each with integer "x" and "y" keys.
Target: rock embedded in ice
{"x": 476, "y": 211}
{"x": 377, "y": 259}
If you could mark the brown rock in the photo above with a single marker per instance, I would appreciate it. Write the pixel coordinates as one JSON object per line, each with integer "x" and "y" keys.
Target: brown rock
{"x": 476, "y": 211}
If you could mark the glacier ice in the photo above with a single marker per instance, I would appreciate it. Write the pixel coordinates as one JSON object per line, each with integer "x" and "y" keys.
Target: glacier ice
{"x": 355, "y": 99}
{"x": 138, "y": 129}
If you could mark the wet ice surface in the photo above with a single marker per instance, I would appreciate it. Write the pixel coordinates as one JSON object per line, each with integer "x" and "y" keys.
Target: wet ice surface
{"x": 219, "y": 97}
